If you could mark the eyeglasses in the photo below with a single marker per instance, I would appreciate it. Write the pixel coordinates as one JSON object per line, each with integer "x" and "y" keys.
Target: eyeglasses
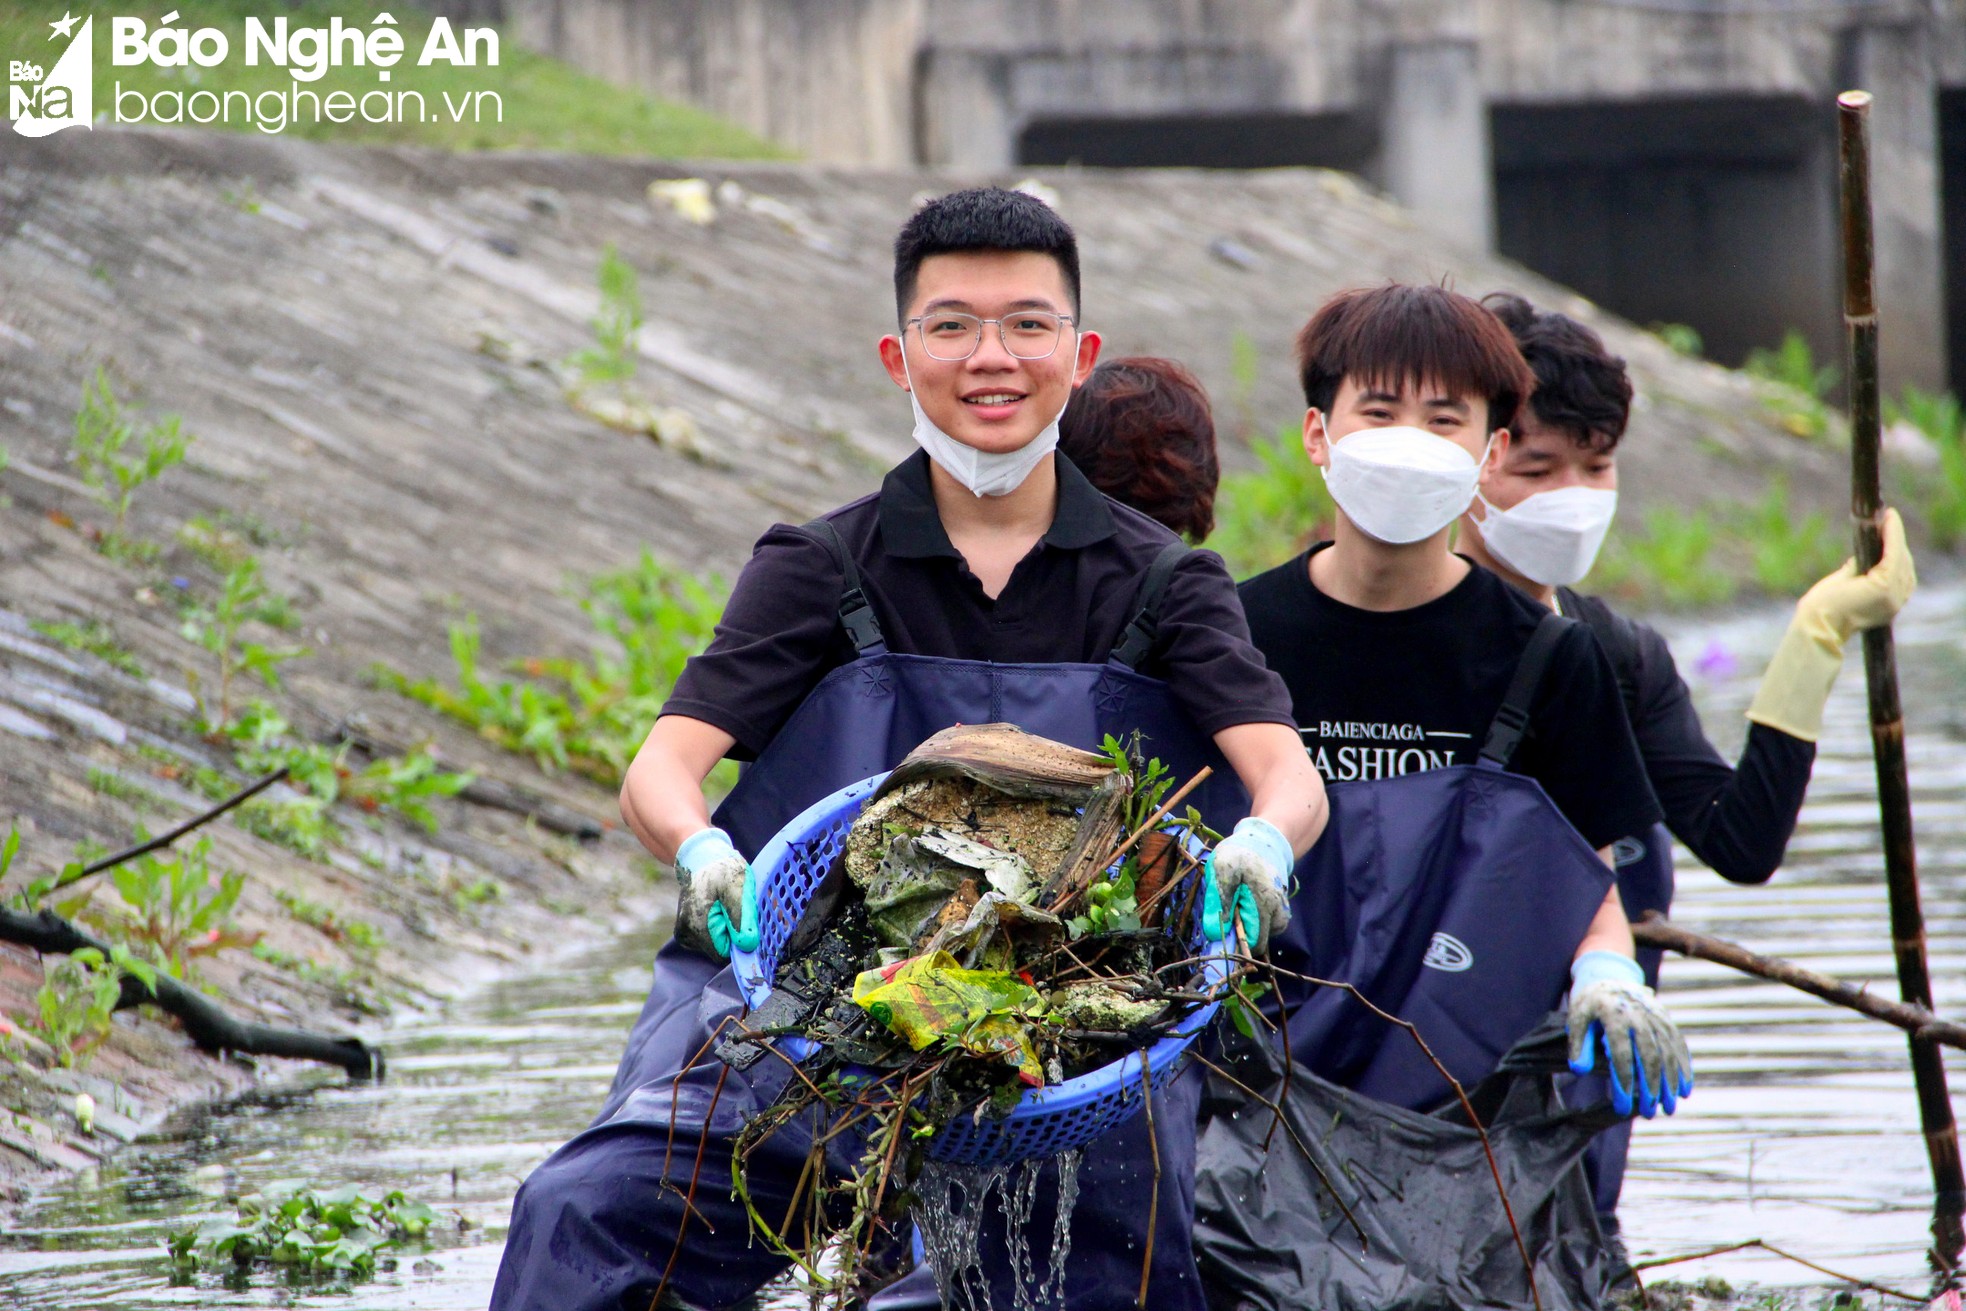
{"x": 1027, "y": 334}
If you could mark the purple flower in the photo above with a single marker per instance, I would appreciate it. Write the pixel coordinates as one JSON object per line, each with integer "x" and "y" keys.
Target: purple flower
{"x": 181, "y": 583}
{"x": 1716, "y": 661}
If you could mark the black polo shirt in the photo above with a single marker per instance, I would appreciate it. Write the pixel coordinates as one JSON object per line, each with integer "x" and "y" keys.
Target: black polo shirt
{"x": 1067, "y": 602}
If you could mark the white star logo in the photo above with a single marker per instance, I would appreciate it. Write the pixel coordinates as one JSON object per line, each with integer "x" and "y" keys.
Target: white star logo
{"x": 64, "y": 27}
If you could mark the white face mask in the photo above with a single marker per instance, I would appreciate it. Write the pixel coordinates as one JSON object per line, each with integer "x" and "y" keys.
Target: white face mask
{"x": 1551, "y": 537}
{"x": 1401, "y": 485}
{"x": 985, "y": 473}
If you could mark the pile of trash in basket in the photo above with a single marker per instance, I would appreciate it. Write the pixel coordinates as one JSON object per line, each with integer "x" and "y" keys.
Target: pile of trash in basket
{"x": 1005, "y": 913}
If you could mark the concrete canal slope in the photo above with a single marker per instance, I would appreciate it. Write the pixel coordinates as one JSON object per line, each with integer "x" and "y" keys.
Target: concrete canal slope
{"x": 367, "y": 347}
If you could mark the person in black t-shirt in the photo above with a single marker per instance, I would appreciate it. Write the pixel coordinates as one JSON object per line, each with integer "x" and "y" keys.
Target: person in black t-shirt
{"x": 1397, "y": 652}
{"x": 1551, "y": 500}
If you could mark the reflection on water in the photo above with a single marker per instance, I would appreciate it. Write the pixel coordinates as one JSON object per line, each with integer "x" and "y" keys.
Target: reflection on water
{"x": 1803, "y": 1132}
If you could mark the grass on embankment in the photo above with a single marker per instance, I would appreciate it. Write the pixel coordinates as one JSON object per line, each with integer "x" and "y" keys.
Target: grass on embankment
{"x": 542, "y": 104}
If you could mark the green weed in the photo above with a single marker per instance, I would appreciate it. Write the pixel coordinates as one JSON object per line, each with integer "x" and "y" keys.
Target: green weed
{"x": 613, "y": 356}
{"x": 173, "y": 909}
{"x": 346, "y": 986}
{"x": 1265, "y": 517}
{"x": 1791, "y": 551}
{"x": 94, "y": 637}
{"x": 31, "y": 895}
{"x": 103, "y": 453}
{"x": 76, "y": 999}
{"x": 402, "y": 784}
{"x": 1940, "y": 417}
{"x": 1682, "y": 337}
{"x": 220, "y": 547}
{"x": 244, "y": 198}
{"x": 104, "y": 783}
{"x": 353, "y": 932}
{"x": 218, "y": 627}
{"x": 588, "y": 715}
{"x": 335, "y": 1232}
{"x": 300, "y": 824}
{"x": 1666, "y": 559}
{"x": 1796, "y": 389}
{"x": 477, "y": 894}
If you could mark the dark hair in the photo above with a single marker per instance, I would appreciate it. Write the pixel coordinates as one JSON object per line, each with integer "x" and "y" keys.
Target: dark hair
{"x": 983, "y": 219}
{"x": 1581, "y": 388}
{"x": 1402, "y": 335}
{"x": 1141, "y": 430}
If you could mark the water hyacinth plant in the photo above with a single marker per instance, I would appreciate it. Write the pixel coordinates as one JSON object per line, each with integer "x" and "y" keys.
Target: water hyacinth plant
{"x": 335, "y": 1233}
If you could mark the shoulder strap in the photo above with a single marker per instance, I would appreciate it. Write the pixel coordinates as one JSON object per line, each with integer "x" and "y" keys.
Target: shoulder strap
{"x": 1618, "y": 638}
{"x": 1144, "y": 630}
{"x": 856, "y": 612}
{"x": 1512, "y": 720}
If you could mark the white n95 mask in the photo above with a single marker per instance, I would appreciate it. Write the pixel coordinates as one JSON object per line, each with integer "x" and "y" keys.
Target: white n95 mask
{"x": 984, "y": 473}
{"x": 1401, "y": 485}
{"x": 1551, "y": 537}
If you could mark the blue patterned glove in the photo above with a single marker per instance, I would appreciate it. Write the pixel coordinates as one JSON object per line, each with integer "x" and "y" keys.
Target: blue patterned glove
{"x": 718, "y": 904}
{"x": 1645, "y": 1055}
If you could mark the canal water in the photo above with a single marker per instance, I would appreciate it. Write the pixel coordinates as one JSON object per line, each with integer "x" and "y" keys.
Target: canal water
{"x": 1803, "y": 1131}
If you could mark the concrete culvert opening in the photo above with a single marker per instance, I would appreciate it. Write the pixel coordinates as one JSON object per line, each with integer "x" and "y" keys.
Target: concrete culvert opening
{"x": 1717, "y": 212}
{"x": 1201, "y": 141}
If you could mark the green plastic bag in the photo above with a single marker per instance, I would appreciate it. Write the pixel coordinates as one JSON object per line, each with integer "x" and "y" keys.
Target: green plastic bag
{"x": 930, "y": 998}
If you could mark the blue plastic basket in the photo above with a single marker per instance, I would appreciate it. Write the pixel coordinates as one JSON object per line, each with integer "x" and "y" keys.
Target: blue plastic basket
{"x": 1048, "y": 1120}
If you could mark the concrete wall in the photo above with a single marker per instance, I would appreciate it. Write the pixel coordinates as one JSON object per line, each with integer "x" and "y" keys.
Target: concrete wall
{"x": 1409, "y": 93}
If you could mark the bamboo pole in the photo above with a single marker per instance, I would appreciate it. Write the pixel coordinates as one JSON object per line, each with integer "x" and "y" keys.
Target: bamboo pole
{"x": 1887, "y": 726}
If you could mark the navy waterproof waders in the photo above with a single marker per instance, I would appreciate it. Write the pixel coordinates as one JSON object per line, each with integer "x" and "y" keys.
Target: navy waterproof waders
{"x": 1453, "y": 899}
{"x": 598, "y": 1224}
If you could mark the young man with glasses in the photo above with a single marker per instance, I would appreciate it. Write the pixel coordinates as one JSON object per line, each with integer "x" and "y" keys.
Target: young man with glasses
{"x": 987, "y": 579}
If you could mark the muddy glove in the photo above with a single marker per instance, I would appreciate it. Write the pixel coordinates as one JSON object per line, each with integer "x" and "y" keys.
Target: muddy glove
{"x": 1249, "y": 872}
{"x": 1792, "y": 692}
{"x": 1610, "y": 1007}
{"x": 718, "y": 905}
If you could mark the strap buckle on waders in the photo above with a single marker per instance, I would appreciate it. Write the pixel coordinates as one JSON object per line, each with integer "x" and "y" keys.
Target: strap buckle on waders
{"x": 863, "y": 628}
{"x": 1511, "y": 722}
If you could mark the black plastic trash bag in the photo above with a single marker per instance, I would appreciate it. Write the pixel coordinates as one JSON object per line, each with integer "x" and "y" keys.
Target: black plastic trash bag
{"x": 1272, "y": 1233}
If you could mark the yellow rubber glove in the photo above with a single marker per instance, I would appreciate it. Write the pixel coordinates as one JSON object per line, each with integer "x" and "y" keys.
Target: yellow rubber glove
{"x": 1796, "y": 686}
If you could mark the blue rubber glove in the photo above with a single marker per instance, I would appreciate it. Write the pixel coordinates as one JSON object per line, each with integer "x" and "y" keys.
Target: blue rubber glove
{"x": 1645, "y": 1055}
{"x": 717, "y": 909}
{"x": 1251, "y": 868}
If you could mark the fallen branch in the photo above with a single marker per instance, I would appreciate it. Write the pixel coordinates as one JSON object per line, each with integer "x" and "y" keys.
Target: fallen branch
{"x": 1657, "y": 931}
{"x": 209, "y": 1027}
{"x": 149, "y": 845}
{"x": 1758, "y": 1245}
